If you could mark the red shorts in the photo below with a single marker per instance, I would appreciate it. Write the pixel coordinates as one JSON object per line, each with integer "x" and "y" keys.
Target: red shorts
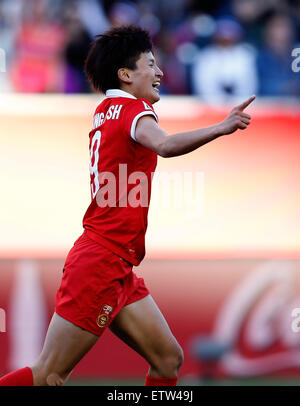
{"x": 96, "y": 284}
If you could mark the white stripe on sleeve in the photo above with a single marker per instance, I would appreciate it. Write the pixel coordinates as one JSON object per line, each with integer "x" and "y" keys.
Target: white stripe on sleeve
{"x": 135, "y": 120}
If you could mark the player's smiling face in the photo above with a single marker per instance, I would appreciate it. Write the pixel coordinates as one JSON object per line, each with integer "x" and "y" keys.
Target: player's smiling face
{"x": 145, "y": 79}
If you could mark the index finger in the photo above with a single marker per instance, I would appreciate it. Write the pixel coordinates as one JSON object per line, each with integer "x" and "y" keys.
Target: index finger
{"x": 246, "y": 103}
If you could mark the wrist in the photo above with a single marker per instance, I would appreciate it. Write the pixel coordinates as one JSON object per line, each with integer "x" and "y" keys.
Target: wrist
{"x": 218, "y": 130}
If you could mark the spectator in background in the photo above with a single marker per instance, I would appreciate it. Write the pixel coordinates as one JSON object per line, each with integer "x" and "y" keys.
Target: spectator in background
{"x": 38, "y": 65}
{"x": 276, "y": 77}
{"x": 252, "y": 14}
{"x": 43, "y": 56}
{"x": 10, "y": 16}
{"x": 76, "y": 49}
{"x": 175, "y": 77}
{"x": 295, "y": 12}
{"x": 148, "y": 19}
{"x": 92, "y": 16}
{"x": 225, "y": 70}
{"x": 123, "y": 13}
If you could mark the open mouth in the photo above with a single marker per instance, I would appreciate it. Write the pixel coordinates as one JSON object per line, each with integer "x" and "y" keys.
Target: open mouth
{"x": 156, "y": 85}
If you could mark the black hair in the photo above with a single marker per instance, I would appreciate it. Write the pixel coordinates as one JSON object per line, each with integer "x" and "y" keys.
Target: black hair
{"x": 119, "y": 47}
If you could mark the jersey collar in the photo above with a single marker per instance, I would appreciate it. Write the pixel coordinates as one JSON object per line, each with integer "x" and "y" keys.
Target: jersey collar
{"x": 118, "y": 93}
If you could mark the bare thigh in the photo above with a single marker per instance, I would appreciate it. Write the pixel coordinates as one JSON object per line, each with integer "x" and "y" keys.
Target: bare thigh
{"x": 65, "y": 345}
{"x": 142, "y": 326}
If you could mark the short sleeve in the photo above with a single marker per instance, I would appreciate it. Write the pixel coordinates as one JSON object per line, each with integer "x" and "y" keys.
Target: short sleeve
{"x": 134, "y": 111}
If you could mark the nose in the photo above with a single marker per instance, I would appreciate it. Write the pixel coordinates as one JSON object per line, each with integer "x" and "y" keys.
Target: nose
{"x": 159, "y": 72}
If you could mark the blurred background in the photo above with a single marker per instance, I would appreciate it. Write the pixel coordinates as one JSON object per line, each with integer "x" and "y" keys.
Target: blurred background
{"x": 227, "y": 276}
{"x": 46, "y": 43}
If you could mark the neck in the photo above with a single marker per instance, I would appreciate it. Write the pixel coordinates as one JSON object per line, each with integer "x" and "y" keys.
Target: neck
{"x": 127, "y": 89}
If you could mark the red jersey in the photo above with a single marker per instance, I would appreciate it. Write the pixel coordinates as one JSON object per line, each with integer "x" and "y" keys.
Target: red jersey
{"x": 121, "y": 175}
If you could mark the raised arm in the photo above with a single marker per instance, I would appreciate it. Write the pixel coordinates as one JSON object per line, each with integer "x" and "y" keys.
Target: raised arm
{"x": 150, "y": 135}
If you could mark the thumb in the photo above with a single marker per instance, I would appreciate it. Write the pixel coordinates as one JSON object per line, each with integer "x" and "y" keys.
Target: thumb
{"x": 246, "y": 103}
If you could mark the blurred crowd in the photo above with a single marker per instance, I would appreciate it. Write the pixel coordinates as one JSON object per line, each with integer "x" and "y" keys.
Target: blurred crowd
{"x": 214, "y": 49}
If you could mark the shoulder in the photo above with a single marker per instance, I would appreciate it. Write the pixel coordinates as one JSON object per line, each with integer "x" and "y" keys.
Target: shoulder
{"x": 137, "y": 109}
{"x": 139, "y": 106}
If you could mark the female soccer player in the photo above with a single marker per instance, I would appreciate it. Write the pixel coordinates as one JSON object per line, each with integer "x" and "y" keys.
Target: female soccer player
{"x": 98, "y": 287}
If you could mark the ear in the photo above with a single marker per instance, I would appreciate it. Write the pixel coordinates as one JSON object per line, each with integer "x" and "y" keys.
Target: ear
{"x": 124, "y": 75}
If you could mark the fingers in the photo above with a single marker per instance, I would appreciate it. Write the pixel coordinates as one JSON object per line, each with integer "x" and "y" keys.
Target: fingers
{"x": 242, "y": 125}
{"x": 246, "y": 103}
{"x": 237, "y": 119}
{"x": 244, "y": 115}
{"x": 247, "y": 122}
{"x": 244, "y": 121}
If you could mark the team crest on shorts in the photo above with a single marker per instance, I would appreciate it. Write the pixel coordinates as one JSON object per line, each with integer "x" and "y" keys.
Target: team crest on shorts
{"x": 104, "y": 315}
